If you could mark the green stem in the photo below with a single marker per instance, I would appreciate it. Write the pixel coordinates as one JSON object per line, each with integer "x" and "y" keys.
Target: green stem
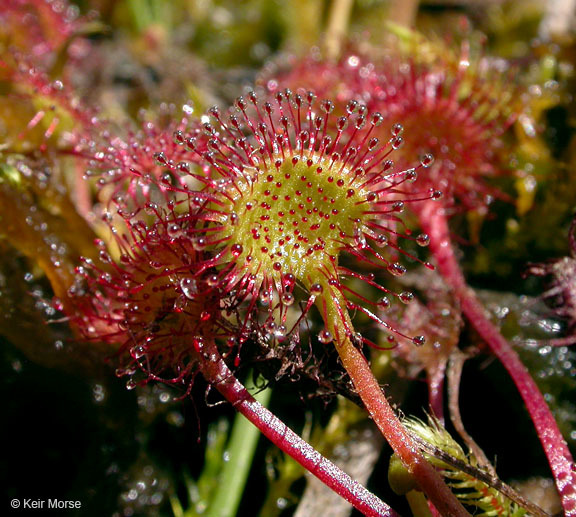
{"x": 140, "y": 11}
{"x": 338, "y": 20}
{"x": 418, "y": 504}
{"x": 236, "y": 469}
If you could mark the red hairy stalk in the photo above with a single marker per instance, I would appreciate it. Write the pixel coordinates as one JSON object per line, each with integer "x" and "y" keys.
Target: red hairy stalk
{"x": 429, "y": 480}
{"x": 219, "y": 375}
{"x": 559, "y": 457}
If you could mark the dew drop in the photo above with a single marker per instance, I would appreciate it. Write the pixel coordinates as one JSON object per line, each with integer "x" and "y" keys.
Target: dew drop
{"x": 189, "y": 287}
{"x": 174, "y": 231}
{"x": 381, "y": 240}
{"x": 130, "y": 384}
{"x": 406, "y": 296}
{"x": 264, "y": 297}
{"x": 387, "y": 165}
{"x": 190, "y": 144}
{"x": 360, "y": 239}
{"x": 419, "y": 340}
{"x": 423, "y": 239}
{"x": 178, "y": 137}
{"x": 287, "y": 298}
{"x": 160, "y": 159}
{"x": 138, "y": 351}
{"x": 325, "y": 337}
{"x": 352, "y": 106}
{"x": 342, "y": 123}
{"x": 268, "y": 108}
{"x": 372, "y": 144}
{"x": 376, "y": 119}
{"x": 384, "y": 303}
{"x": 427, "y": 160}
{"x": 199, "y": 243}
{"x": 436, "y": 194}
{"x": 327, "y": 106}
{"x": 212, "y": 280}
{"x": 397, "y": 142}
{"x": 151, "y": 208}
{"x": 397, "y": 129}
{"x": 411, "y": 175}
{"x": 179, "y": 304}
{"x": 198, "y": 343}
{"x": 396, "y": 269}
{"x": 316, "y": 289}
{"x": 208, "y": 129}
{"x": 240, "y": 103}
{"x": 105, "y": 257}
{"x": 288, "y": 280}
{"x": 183, "y": 167}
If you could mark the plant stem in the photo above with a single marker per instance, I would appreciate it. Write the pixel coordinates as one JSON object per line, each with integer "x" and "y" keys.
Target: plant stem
{"x": 237, "y": 467}
{"x": 436, "y": 391}
{"x": 337, "y": 319}
{"x": 403, "y": 12}
{"x": 338, "y": 20}
{"x": 418, "y": 504}
{"x": 434, "y": 222}
{"x": 215, "y": 371}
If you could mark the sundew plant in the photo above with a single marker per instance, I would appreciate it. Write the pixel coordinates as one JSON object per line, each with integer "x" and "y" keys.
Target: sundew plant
{"x": 288, "y": 258}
